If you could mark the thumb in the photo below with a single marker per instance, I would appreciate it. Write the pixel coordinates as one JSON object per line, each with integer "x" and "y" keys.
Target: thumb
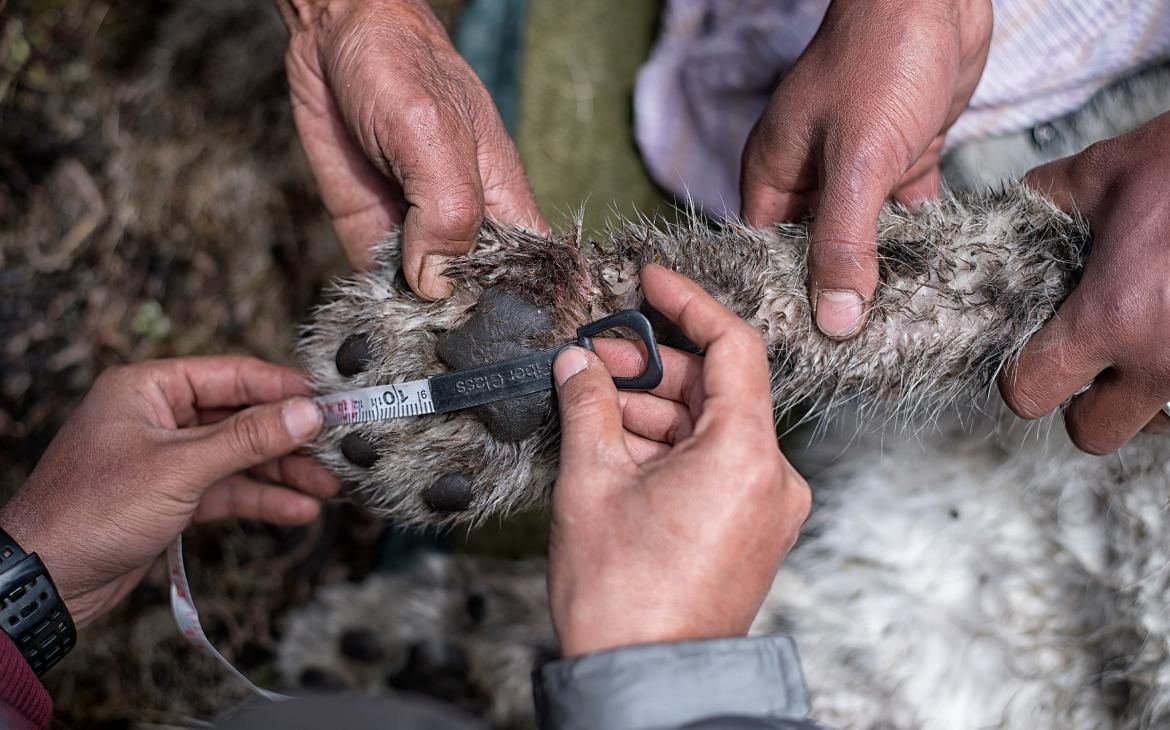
{"x": 843, "y": 264}
{"x": 591, "y": 416}
{"x": 1057, "y": 180}
{"x": 444, "y": 195}
{"x": 253, "y": 436}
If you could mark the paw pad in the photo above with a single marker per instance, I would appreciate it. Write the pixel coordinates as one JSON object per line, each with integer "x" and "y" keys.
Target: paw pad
{"x": 353, "y": 356}
{"x": 359, "y": 450}
{"x": 360, "y": 645}
{"x": 503, "y": 326}
{"x": 449, "y": 493}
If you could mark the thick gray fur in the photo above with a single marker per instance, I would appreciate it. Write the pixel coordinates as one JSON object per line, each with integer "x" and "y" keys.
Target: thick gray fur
{"x": 976, "y": 574}
{"x": 965, "y": 282}
{"x": 469, "y": 629}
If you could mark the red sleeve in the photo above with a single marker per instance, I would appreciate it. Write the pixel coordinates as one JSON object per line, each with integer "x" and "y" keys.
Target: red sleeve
{"x": 23, "y": 699}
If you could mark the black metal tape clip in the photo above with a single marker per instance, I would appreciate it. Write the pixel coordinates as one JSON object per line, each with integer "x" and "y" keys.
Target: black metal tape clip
{"x": 636, "y": 322}
{"x": 533, "y": 373}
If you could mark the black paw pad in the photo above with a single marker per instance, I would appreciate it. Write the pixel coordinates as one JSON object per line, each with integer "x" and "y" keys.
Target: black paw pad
{"x": 354, "y": 355}
{"x": 360, "y": 645}
{"x": 449, "y": 493}
{"x": 437, "y": 669}
{"x": 501, "y": 328}
{"x": 359, "y": 450}
{"x": 476, "y": 608}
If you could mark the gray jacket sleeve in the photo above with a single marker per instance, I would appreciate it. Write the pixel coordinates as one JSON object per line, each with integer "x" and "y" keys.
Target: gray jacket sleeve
{"x": 745, "y": 683}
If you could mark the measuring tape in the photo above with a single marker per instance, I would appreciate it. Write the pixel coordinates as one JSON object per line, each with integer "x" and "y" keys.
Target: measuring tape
{"x": 439, "y": 394}
{"x": 476, "y": 386}
{"x": 187, "y": 618}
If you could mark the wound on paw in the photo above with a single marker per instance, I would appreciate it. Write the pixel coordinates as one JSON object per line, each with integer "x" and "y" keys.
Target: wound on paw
{"x": 502, "y": 327}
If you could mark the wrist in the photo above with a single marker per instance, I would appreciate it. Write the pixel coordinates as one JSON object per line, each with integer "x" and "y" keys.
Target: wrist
{"x": 589, "y": 632}
{"x": 31, "y": 532}
{"x": 32, "y": 612}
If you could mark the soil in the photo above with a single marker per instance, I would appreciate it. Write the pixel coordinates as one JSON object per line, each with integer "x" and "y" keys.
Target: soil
{"x": 155, "y": 202}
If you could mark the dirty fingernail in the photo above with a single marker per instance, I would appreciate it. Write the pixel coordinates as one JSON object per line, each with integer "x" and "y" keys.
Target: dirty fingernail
{"x": 431, "y": 282}
{"x": 839, "y": 313}
{"x": 302, "y": 418}
{"x": 569, "y": 362}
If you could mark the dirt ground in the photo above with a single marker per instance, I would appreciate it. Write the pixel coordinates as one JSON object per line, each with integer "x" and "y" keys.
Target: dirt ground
{"x": 154, "y": 201}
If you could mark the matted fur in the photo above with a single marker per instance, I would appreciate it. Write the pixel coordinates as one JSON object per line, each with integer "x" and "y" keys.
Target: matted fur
{"x": 469, "y": 629}
{"x": 1025, "y": 578}
{"x": 978, "y": 574}
{"x": 965, "y": 281}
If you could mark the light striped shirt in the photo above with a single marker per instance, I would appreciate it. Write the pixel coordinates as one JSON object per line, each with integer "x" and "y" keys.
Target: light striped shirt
{"x": 716, "y": 63}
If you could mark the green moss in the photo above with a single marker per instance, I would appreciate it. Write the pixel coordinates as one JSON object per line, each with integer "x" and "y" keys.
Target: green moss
{"x": 575, "y": 131}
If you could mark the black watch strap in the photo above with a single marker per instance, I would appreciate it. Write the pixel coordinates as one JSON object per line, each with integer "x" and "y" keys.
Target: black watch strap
{"x": 31, "y": 611}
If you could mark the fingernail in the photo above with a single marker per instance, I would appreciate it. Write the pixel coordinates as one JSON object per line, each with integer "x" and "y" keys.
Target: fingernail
{"x": 431, "y": 282}
{"x": 302, "y": 418}
{"x": 571, "y": 361}
{"x": 839, "y": 312}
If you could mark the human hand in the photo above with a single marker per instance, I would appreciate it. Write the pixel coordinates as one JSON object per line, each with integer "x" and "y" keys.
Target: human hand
{"x": 400, "y": 131}
{"x": 153, "y": 447}
{"x": 1111, "y": 331}
{"x": 861, "y": 117}
{"x": 674, "y": 508}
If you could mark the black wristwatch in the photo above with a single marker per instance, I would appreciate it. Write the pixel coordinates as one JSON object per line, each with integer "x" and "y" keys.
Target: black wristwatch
{"x": 31, "y": 611}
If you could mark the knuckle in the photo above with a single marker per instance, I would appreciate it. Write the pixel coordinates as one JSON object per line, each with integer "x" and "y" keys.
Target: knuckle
{"x": 1093, "y": 160}
{"x": 761, "y": 472}
{"x": 1090, "y": 439}
{"x": 857, "y": 152}
{"x": 799, "y": 494}
{"x": 249, "y": 437}
{"x": 760, "y": 152}
{"x": 1022, "y": 401}
{"x": 843, "y": 263}
{"x": 587, "y": 399}
{"x": 830, "y": 250}
{"x": 458, "y": 211}
{"x": 747, "y": 344}
{"x": 752, "y": 341}
{"x": 1118, "y": 314}
{"x": 111, "y": 375}
{"x": 423, "y": 114}
{"x": 123, "y": 376}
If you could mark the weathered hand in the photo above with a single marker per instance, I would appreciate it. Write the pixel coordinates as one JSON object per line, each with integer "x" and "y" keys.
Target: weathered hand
{"x": 673, "y": 509}
{"x": 400, "y": 131}
{"x": 860, "y": 117}
{"x": 1111, "y": 331}
{"x": 153, "y": 447}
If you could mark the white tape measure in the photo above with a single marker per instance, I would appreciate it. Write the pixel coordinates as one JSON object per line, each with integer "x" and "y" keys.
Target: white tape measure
{"x": 476, "y": 386}
{"x": 439, "y": 394}
{"x": 187, "y": 617}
